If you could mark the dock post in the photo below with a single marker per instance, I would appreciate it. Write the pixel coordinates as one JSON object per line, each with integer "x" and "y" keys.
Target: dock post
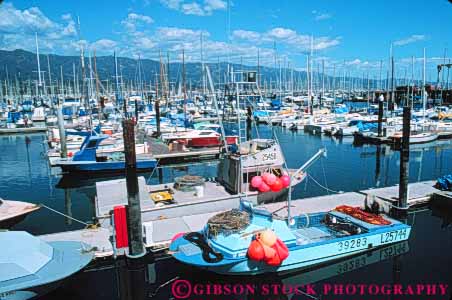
{"x": 135, "y": 231}
{"x": 60, "y": 118}
{"x": 380, "y": 118}
{"x": 157, "y": 116}
{"x": 404, "y": 159}
{"x": 249, "y": 116}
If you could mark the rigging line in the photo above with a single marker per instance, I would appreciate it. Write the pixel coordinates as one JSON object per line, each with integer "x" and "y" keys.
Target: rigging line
{"x": 324, "y": 187}
{"x": 65, "y": 215}
{"x": 324, "y": 173}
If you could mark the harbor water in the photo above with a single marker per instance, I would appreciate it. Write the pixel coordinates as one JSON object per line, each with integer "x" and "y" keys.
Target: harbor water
{"x": 25, "y": 175}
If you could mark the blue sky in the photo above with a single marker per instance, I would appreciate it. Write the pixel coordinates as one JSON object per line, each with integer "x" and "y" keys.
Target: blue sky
{"x": 357, "y": 32}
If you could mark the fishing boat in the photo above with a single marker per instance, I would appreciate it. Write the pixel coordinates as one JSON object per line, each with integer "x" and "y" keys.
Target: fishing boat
{"x": 30, "y": 267}
{"x": 199, "y": 138}
{"x": 262, "y": 242}
{"x": 193, "y": 194}
{"x": 13, "y": 212}
{"x": 88, "y": 160}
{"x": 415, "y": 137}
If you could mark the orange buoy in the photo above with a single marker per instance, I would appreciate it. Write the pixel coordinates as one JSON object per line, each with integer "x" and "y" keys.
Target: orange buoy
{"x": 274, "y": 261}
{"x": 281, "y": 249}
{"x": 267, "y": 237}
{"x": 256, "y": 251}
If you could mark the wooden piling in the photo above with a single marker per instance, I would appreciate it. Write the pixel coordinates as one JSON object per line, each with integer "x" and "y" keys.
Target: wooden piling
{"x": 136, "y": 247}
{"x": 249, "y": 118}
{"x": 404, "y": 158}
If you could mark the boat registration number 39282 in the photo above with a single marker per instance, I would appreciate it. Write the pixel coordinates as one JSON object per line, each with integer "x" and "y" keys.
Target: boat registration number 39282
{"x": 393, "y": 236}
{"x": 269, "y": 156}
{"x": 352, "y": 244}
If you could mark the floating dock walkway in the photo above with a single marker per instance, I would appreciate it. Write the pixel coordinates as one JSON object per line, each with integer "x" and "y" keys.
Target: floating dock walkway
{"x": 420, "y": 193}
{"x": 23, "y": 130}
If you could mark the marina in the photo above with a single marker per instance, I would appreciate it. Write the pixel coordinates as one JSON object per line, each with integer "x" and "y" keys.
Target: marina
{"x": 171, "y": 163}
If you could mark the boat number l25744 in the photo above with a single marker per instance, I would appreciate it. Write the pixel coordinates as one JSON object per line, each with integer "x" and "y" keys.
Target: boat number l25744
{"x": 393, "y": 236}
{"x": 352, "y": 244}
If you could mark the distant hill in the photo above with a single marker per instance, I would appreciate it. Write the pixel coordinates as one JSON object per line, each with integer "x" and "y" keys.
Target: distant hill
{"x": 23, "y": 65}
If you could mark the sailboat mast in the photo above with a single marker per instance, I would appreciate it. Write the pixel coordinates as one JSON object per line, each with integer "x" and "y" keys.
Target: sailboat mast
{"x": 424, "y": 92}
{"x": 39, "y": 65}
{"x": 183, "y": 85}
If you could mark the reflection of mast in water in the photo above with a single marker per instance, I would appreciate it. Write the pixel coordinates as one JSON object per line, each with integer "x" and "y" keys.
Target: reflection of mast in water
{"x": 419, "y": 172}
{"x": 377, "y": 166}
{"x": 387, "y": 166}
{"x": 48, "y": 168}
{"x": 68, "y": 205}
{"x": 27, "y": 145}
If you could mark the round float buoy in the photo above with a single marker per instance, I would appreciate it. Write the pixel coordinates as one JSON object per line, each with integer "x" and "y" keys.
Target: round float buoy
{"x": 268, "y": 238}
{"x": 264, "y": 187}
{"x": 256, "y": 251}
{"x": 256, "y": 181}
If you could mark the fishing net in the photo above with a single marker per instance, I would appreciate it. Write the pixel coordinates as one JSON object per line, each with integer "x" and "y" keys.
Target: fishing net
{"x": 188, "y": 183}
{"x": 228, "y": 222}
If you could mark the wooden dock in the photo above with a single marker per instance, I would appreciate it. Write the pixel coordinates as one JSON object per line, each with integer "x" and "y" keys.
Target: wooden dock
{"x": 162, "y": 230}
{"x": 23, "y": 130}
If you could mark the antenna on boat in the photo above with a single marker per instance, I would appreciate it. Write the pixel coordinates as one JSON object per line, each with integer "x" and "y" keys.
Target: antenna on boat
{"x": 220, "y": 122}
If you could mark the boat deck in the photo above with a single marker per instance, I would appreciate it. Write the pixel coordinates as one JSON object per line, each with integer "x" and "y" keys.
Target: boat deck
{"x": 14, "y": 209}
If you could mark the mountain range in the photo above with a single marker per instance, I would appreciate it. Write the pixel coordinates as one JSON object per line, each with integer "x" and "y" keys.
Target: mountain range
{"x": 22, "y": 65}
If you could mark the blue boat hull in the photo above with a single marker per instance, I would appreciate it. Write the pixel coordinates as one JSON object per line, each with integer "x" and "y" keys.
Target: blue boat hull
{"x": 302, "y": 253}
{"x": 104, "y": 167}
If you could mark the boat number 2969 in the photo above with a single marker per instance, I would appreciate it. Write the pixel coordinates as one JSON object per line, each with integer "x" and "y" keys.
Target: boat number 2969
{"x": 352, "y": 244}
{"x": 269, "y": 156}
{"x": 393, "y": 236}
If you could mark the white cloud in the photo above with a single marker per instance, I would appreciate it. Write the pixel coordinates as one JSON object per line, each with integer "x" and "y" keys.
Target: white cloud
{"x": 411, "y": 39}
{"x": 193, "y": 9}
{"x": 179, "y": 34}
{"x": 211, "y": 5}
{"x": 282, "y": 33}
{"x": 321, "y": 16}
{"x": 103, "y": 45}
{"x": 289, "y": 37}
{"x": 18, "y": 28}
{"x": 172, "y": 4}
{"x": 206, "y": 8}
{"x": 134, "y": 20}
{"x": 246, "y": 35}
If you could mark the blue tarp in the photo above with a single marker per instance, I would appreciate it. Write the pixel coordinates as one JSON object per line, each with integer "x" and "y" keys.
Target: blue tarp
{"x": 444, "y": 183}
{"x": 260, "y": 113}
{"x": 341, "y": 110}
{"x": 276, "y": 103}
{"x": 366, "y": 126}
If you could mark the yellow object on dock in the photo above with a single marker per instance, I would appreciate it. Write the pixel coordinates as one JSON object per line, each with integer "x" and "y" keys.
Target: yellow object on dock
{"x": 161, "y": 196}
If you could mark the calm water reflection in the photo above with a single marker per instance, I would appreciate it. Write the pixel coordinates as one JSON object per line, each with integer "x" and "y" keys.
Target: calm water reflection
{"x": 25, "y": 175}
